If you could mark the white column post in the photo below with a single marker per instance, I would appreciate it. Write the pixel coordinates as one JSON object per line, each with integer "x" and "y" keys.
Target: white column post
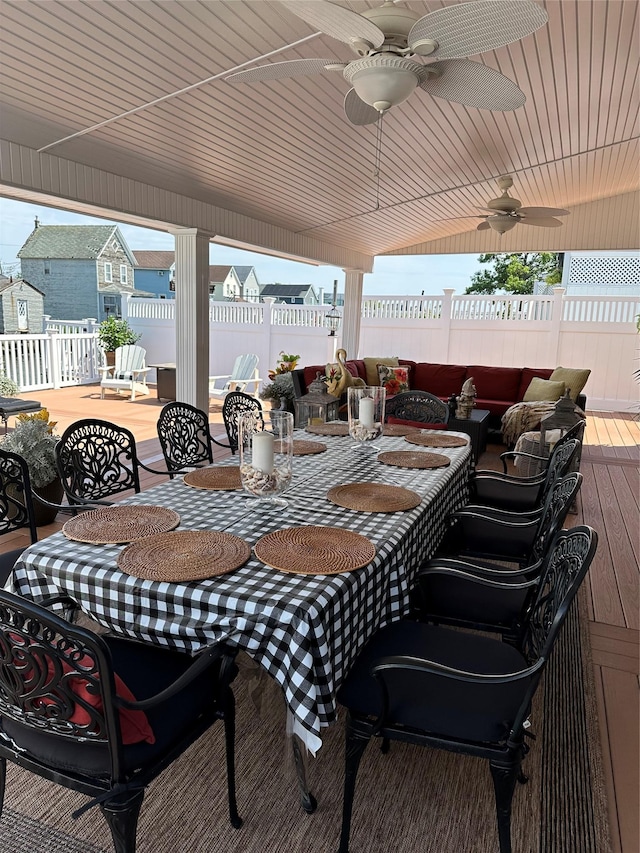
{"x": 192, "y": 317}
{"x": 352, "y": 312}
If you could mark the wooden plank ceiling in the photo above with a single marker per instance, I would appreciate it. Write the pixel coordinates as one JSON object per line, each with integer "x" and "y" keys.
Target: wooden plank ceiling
{"x": 283, "y": 152}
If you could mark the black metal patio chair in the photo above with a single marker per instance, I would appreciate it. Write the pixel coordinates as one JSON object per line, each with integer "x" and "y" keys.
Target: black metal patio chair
{"x": 462, "y": 692}
{"x": 103, "y": 715}
{"x": 185, "y": 438}
{"x": 237, "y": 403}
{"x": 97, "y": 459}
{"x": 417, "y": 407}
{"x": 525, "y": 494}
{"x": 494, "y": 534}
{"x": 17, "y": 510}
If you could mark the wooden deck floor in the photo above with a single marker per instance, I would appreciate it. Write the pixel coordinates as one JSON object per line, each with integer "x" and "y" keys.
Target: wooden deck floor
{"x": 609, "y": 502}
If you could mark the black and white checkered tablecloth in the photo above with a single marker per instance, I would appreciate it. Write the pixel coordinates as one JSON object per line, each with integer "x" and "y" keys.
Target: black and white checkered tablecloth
{"x": 304, "y": 630}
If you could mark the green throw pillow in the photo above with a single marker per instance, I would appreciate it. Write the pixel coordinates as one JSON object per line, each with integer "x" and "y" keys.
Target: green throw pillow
{"x": 574, "y": 379}
{"x": 543, "y": 389}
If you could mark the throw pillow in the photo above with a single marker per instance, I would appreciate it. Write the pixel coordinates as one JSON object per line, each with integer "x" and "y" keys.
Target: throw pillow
{"x": 543, "y": 389}
{"x": 393, "y": 379}
{"x": 371, "y": 367}
{"x": 574, "y": 379}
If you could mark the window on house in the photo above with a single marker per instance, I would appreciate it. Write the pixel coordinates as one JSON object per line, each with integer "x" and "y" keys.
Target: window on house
{"x": 22, "y": 308}
{"x": 110, "y": 305}
{"x": 108, "y": 275}
{"x": 172, "y": 286}
{"x": 123, "y": 273}
{"x": 47, "y": 267}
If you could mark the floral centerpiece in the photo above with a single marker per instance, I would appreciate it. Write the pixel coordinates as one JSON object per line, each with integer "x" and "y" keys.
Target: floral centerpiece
{"x": 280, "y": 391}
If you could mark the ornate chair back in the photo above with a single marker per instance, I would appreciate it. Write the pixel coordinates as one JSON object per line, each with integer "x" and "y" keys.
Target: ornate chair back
{"x": 183, "y": 431}
{"x": 237, "y": 403}
{"x": 16, "y": 501}
{"x": 97, "y": 459}
{"x": 418, "y": 406}
{"x": 556, "y": 506}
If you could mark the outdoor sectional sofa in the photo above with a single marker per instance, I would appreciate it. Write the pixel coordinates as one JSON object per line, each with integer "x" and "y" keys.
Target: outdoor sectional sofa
{"x": 498, "y": 388}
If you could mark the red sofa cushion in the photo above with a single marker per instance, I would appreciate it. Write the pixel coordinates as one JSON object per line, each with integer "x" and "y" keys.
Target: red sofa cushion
{"x": 496, "y": 407}
{"x": 355, "y": 368}
{"x": 495, "y": 383}
{"x": 439, "y": 379}
{"x": 529, "y": 373}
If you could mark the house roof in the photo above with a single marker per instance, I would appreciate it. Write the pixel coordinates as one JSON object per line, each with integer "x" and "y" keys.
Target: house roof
{"x": 67, "y": 241}
{"x": 292, "y": 291}
{"x": 6, "y": 283}
{"x": 154, "y": 260}
{"x": 243, "y": 272}
{"x": 218, "y": 273}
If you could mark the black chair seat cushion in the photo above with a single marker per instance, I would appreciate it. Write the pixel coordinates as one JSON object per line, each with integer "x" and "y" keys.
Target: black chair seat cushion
{"x": 7, "y": 562}
{"x": 458, "y": 598}
{"x": 432, "y": 703}
{"x": 146, "y": 670}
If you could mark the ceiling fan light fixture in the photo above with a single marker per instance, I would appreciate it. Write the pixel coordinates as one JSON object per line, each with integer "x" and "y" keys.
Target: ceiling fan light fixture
{"x": 502, "y": 224}
{"x": 383, "y": 81}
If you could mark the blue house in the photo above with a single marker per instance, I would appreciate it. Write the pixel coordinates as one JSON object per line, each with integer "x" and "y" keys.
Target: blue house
{"x": 81, "y": 269}
{"x": 155, "y": 273}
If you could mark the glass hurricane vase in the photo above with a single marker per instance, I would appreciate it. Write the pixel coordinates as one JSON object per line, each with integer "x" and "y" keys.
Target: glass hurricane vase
{"x": 366, "y": 415}
{"x": 265, "y": 444}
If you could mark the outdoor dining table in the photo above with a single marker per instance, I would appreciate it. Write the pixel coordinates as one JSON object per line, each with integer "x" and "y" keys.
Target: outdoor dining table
{"x": 305, "y": 630}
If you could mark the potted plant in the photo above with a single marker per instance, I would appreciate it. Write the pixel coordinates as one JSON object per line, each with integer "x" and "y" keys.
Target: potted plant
{"x": 286, "y": 363}
{"x": 280, "y": 392}
{"x": 34, "y": 439}
{"x": 8, "y": 388}
{"x": 115, "y": 332}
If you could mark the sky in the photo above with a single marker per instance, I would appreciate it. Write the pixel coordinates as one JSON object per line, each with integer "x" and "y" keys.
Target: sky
{"x": 402, "y": 275}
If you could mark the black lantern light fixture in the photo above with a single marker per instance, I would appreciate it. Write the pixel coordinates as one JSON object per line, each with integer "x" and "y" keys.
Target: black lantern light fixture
{"x": 332, "y": 318}
{"x": 316, "y": 407}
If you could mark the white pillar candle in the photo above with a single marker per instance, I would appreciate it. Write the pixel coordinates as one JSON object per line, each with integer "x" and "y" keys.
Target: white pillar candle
{"x": 262, "y": 448}
{"x": 366, "y": 412}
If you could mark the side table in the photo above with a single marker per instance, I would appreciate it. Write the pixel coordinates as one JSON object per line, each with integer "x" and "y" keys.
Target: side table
{"x": 166, "y": 381}
{"x": 476, "y": 427}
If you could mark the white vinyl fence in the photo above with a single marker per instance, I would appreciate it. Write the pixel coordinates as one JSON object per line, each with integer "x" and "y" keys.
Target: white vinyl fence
{"x": 597, "y": 332}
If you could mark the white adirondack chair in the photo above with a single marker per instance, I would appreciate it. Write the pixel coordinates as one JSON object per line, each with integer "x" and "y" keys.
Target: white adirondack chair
{"x": 128, "y": 373}
{"x": 244, "y": 373}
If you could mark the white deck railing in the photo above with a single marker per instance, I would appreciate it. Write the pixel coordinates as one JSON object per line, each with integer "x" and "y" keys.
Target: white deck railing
{"x": 597, "y": 332}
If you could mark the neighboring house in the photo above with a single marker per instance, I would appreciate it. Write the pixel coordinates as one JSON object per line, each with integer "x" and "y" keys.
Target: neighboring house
{"x": 81, "y": 269}
{"x": 598, "y": 274}
{"x": 249, "y": 282}
{"x": 224, "y": 283}
{"x": 293, "y": 294}
{"x": 155, "y": 273}
{"x": 21, "y": 307}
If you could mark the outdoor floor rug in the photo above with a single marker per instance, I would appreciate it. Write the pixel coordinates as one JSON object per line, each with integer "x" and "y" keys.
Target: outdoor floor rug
{"x": 411, "y": 800}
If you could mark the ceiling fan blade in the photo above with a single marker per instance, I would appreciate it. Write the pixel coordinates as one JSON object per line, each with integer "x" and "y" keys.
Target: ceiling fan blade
{"x": 546, "y": 222}
{"x": 357, "y": 111}
{"x": 336, "y": 21}
{"x": 473, "y": 84}
{"x": 484, "y": 226}
{"x": 289, "y": 68}
{"x": 471, "y": 28}
{"x": 536, "y": 212}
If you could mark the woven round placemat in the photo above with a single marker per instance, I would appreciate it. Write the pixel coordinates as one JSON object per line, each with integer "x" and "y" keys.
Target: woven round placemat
{"x": 115, "y": 525}
{"x": 413, "y": 459}
{"x": 184, "y": 555}
{"x": 223, "y": 478}
{"x": 314, "y": 550}
{"x": 373, "y": 497}
{"x": 425, "y": 439}
{"x": 305, "y": 448}
{"x": 332, "y": 428}
{"x": 399, "y": 429}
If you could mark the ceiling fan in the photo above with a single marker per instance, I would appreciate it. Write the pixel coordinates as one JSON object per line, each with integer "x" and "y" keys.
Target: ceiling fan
{"x": 391, "y": 40}
{"x": 506, "y": 212}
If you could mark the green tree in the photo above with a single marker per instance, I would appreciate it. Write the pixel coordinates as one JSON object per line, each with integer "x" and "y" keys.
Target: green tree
{"x": 516, "y": 273}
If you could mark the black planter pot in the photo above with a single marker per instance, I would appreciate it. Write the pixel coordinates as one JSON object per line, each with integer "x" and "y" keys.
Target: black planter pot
{"x": 53, "y": 493}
